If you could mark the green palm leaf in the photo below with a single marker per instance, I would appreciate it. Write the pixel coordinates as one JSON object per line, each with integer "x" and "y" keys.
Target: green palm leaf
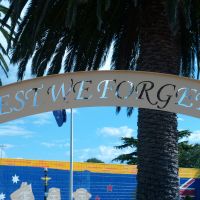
{"x": 6, "y": 36}
{"x": 4, "y": 64}
{"x": 111, "y": 20}
{"x": 5, "y": 33}
{"x": 3, "y": 9}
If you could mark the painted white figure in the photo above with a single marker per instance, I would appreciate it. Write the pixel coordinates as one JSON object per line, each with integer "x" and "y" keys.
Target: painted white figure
{"x": 81, "y": 194}
{"x": 23, "y": 193}
{"x": 54, "y": 194}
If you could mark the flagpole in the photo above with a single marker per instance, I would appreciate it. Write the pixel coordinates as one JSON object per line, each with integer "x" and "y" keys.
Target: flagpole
{"x": 71, "y": 157}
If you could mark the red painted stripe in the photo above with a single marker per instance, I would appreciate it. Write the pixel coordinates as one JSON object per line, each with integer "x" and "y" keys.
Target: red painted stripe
{"x": 187, "y": 192}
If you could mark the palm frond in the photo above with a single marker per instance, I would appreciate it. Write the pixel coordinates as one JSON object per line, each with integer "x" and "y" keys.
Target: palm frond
{"x": 14, "y": 13}
{"x": 56, "y": 63}
{"x": 90, "y": 27}
{"x": 172, "y": 7}
{"x": 6, "y": 35}
{"x": 3, "y": 9}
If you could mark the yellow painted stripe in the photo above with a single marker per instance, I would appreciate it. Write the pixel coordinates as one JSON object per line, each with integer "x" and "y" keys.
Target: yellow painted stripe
{"x": 93, "y": 167}
{"x": 189, "y": 173}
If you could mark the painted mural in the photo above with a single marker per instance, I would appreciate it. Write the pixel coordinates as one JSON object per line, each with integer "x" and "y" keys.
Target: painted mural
{"x": 27, "y": 180}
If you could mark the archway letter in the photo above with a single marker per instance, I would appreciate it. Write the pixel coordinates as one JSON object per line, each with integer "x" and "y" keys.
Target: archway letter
{"x": 100, "y": 88}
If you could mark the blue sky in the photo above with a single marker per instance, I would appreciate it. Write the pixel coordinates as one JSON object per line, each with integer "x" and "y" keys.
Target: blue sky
{"x": 96, "y": 131}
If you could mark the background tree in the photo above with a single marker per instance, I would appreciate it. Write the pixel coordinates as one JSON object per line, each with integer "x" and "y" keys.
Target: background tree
{"x": 189, "y": 155}
{"x": 94, "y": 160}
{"x": 129, "y": 158}
{"x": 190, "y": 158}
{"x": 158, "y": 35}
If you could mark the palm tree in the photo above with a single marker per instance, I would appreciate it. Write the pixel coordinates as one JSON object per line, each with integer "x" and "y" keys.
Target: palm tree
{"x": 157, "y": 35}
{"x": 4, "y": 31}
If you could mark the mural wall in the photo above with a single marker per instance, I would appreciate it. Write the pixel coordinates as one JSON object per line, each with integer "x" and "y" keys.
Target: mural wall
{"x": 28, "y": 180}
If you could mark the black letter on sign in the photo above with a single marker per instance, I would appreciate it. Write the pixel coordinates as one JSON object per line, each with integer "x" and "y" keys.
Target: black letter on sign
{"x": 164, "y": 100}
{"x": 130, "y": 90}
{"x": 146, "y": 90}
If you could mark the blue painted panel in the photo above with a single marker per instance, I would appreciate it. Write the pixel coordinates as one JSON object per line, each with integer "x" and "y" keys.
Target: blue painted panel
{"x": 103, "y": 185}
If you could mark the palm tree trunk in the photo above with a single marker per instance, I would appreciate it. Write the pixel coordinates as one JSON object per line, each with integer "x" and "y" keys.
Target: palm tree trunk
{"x": 157, "y": 130}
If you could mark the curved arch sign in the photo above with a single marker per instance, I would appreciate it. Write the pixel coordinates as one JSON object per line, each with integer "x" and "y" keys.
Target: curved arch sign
{"x": 100, "y": 88}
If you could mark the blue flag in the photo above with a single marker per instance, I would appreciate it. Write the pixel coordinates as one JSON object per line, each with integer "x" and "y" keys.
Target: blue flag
{"x": 60, "y": 116}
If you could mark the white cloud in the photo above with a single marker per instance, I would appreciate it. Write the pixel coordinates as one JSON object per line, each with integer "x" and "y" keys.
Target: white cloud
{"x": 42, "y": 119}
{"x": 194, "y": 138}
{"x": 2, "y": 154}
{"x": 108, "y": 153}
{"x": 84, "y": 154}
{"x": 180, "y": 119}
{"x": 45, "y": 118}
{"x": 13, "y": 130}
{"x": 48, "y": 144}
{"x": 68, "y": 111}
{"x": 16, "y": 122}
{"x": 104, "y": 153}
{"x": 8, "y": 146}
{"x": 3, "y": 148}
{"x": 123, "y": 131}
{"x": 56, "y": 144}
